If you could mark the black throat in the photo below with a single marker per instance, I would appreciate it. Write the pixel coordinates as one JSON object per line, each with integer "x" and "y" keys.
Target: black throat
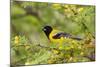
{"x": 47, "y": 33}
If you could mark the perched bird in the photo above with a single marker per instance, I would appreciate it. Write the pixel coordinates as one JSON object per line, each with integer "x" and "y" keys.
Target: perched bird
{"x": 56, "y": 35}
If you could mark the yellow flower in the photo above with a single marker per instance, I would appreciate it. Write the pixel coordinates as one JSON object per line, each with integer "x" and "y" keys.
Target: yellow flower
{"x": 66, "y": 6}
{"x": 16, "y": 38}
{"x": 16, "y": 41}
{"x": 72, "y": 46}
{"x": 74, "y": 42}
{"x": 79, "y": 47}
{"x": 50, "y": 61}
{"x": 27, "y": 46}
{"x": 70, "y": 58}
{"x": 80, "y": 9}
{"x": 60, "y": 47}
{"x": 55, "y": 51}
{"x": 81, "y": 53}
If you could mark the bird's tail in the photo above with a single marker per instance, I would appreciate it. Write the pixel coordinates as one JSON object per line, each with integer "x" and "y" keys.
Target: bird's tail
{"x": 76, "y": 38}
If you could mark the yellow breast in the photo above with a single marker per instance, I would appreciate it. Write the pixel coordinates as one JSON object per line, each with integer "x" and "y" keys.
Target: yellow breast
{"x": 51, "y": 36}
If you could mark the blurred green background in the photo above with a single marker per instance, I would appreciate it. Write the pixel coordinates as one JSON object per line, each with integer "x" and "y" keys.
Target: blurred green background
{"x": 30, "y": 46}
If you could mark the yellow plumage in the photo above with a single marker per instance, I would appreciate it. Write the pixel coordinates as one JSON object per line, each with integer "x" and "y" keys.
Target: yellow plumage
{"x": 57, "y": 41}
{"x": 51, "y": 36}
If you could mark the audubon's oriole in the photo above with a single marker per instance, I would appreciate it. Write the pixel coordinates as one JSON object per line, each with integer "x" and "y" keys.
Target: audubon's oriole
{"x": 56, "y": 36}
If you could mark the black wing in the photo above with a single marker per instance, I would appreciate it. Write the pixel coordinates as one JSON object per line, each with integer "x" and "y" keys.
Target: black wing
{"x": 61, "y": 34}
{"x": 65, "y": 35}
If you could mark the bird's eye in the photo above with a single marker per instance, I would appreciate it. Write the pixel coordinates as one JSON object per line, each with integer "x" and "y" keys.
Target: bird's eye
{"x": 44, "y": 29}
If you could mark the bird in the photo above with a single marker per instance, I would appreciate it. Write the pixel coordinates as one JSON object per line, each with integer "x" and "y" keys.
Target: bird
{"x": 57, "y": 36}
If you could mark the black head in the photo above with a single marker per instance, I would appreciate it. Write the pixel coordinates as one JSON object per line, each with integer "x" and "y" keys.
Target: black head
{"x": 47, "y": 30}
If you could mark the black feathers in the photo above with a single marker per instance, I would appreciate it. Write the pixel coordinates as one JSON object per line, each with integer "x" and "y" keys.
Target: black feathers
{"x": 65, "y": 35}
{"x": 61, "y": 34}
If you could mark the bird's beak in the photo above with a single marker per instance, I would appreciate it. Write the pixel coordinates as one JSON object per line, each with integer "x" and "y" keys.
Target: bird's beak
{"x": 42, "y": 29}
